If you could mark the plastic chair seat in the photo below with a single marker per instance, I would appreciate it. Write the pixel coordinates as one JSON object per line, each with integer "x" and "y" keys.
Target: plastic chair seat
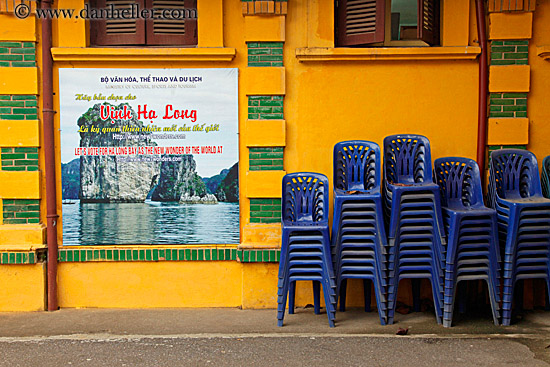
{"x": 358, "y": 234}
{"x": 305, "y": 249}
{"x": 524, "y": 217}
{"x": 472, "y": 242}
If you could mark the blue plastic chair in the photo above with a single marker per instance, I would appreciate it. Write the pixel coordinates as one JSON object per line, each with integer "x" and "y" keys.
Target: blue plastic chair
{"x": 545, "y": 177}
{"x": 416, "y": 236}
{"x": 305, "y": 249}
{"x": 472, "y": 244}
{"x": 523, "y": 216}
{"x": 358, "y": 233}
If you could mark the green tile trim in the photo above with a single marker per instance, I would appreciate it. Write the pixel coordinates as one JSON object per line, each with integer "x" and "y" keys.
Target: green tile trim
{"x": 17, "y": 54}
{"x": 510, "y": 52}
{"x": 17, "y": 258}
{"x": 20, "y": 211}
{"x": 508, "y": 105}
{"x": 265, "y": 107}
{"x": 265, "y": 210}
{"x": 18, "y": 107}
{"x": 266, "y": 159}
{"x": 265, "y": 54}
{"x": 160, "y": 254}
{"x": 497, "y": 147}
{"x": 256, "y": 256}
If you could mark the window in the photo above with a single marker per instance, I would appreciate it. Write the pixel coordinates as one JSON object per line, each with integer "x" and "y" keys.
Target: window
{"x": 387, "y": 22}
{"x": 168, "y": 26}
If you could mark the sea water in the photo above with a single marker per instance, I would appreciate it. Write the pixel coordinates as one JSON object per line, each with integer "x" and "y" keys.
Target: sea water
{"x": 150, "y": 223}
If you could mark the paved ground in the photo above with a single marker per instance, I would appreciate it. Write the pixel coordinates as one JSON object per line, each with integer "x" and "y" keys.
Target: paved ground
{"x": 232, "y": 337}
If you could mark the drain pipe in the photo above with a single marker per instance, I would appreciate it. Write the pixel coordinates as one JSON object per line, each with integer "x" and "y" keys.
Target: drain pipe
{"x": 49, "y": 154}
{"x": 483, "y": 89}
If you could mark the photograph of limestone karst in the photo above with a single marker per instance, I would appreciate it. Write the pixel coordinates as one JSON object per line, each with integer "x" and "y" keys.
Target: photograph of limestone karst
{"x": 149, "y": 159}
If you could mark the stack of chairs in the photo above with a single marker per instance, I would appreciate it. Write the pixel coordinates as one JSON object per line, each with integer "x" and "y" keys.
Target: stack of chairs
{"x": 545, "y": 177}
{"x": 416, "y": 236}
{"x": 472, "y": 244}
{"x": 358, "y": 233}
{"x": 523, "y": 219}
{"x": 305, "y": 249}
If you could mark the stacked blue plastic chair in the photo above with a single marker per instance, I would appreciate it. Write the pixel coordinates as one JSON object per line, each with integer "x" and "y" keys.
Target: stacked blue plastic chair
{"x": 472, "y": 244}
{"x": 305, "y": 249}
{"x": 523, "y": 216}
{"x": 358, "y": 233}
{"x": 545, "y": 180}
{"x": 545, "y": 177}
{"x": 416, "y": 236}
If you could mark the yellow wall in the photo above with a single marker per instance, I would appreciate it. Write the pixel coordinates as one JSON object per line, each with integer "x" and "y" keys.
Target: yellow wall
{"x": 23, "y": 287}
{"x": 539, "y": 95}
{"x": 349, "y": 94}
{"x": 259, "y": 288}
{"x": 146, "y": 285}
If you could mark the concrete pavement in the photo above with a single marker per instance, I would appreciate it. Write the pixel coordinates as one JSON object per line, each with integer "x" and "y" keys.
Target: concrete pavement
{"x": 233, "y": 337}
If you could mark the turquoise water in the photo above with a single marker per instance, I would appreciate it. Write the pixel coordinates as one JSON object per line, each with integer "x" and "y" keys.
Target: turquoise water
{"x": 150, "y": 223}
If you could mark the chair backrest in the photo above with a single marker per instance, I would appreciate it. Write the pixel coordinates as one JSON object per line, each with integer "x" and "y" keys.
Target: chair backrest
{"x": 459, "y": 182}
{"x": 356, "y": 165}
{"x": 545, "y": 177}
{"x": 305, "y": 198}
{"x": 407, "y": 159}
{"x": 514, "y": 174}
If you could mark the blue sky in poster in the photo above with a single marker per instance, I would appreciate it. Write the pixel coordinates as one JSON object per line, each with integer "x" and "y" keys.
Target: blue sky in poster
{"x": 213, "y": 94}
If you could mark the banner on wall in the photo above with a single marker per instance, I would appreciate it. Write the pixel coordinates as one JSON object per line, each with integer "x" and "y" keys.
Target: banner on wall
{"x": 149, "y": 156}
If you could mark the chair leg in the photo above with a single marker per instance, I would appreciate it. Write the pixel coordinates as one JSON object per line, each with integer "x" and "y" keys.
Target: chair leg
{"x": 437, "y": 304}
{"x": 416, "y": 294}
{"x": 317, "y": 297}
{"x": 507, "y": 296}
{"x": 493, "y": 298}
{"x": 392, "y": 298}
{"x": 367, "y": 293}
{"x": 281, "y": 300}
{"x": 343, "y": 288}
{"x": 291, "y": 297}
{"x": 381, "y": 302}
{"x": 449, "y": 300}
{"x": 329, "y": 306}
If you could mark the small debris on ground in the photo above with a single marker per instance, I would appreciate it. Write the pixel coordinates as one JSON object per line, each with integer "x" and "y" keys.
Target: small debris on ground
{"x": 402, "y": 331}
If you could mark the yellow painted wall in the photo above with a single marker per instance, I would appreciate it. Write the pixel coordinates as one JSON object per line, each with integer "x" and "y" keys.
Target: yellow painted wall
{"x": 325, "y": 102}
{"x": 259, "y": 288}
{"x": 22, "y": 287}
{"x": 150, "y": 284}
{"x": 538, "y": 110}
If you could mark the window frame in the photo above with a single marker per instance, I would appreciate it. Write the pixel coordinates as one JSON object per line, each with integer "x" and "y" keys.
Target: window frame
{"x": 144, "y": 36}
{"x": 340, "y": 40}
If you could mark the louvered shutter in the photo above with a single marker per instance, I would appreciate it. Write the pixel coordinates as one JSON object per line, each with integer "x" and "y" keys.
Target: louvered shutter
{"x": 109, "y": 32}
{"x": 428, "y": 21}
{"x": 171, "y": 31}
{"x": 360, "y": 22}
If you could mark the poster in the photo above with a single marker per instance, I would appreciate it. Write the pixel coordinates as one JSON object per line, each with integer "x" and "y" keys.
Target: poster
{"x": 149, "y": 156}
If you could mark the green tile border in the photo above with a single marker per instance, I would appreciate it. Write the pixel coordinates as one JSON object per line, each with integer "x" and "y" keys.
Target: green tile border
{"x": 168, "y": 254}
{"x": 259, "y": 256}
{"x": 147, "y": 255}
{"x": 17, "y": 258}
{"x": 261, "y": 54}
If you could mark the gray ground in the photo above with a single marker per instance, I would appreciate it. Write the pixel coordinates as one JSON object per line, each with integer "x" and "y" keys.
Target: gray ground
{"x": 231, "y": 337}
